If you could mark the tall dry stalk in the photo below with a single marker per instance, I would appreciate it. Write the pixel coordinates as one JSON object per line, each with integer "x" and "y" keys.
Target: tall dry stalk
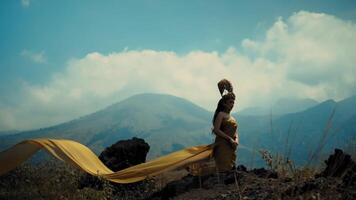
{"x": 286, "y": 146}
{"x": 326, "y": 132}
{"x": 281, "y": 163}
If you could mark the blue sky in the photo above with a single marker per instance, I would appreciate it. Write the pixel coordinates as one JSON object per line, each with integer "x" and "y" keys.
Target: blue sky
{"x": 40, "y": 40}
{"x": 67, "y": 29}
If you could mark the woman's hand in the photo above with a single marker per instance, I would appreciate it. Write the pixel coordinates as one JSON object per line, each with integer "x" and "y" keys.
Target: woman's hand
{"x": 236, "y": 142}
{"x": 233, "y": 142}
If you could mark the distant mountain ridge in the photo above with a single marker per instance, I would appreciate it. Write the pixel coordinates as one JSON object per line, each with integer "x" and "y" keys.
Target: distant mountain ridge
{"x": 9, "y": 132}
{"x": 158, "y": 118}
{"x": 281, "y": 107}
{"x": 169, "y": 123}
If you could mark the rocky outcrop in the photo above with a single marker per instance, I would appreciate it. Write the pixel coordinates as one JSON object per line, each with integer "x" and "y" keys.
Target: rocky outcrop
{"x": 212, "y": 181}
{"x": 337, "y": 165}
{"x": 340, "y": 165}
{"x": 125, "y": 153}
{"x": 336, "y": 181}
{"x": 264, "y": 173}
{"x": 122, "y": 154}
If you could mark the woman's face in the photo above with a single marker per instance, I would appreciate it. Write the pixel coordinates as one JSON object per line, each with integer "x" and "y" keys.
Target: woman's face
{"x": 229, "y": 104}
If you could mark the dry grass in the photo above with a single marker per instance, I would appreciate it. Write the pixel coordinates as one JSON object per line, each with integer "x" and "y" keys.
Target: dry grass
{"x": 47, "y": 182}
{"x": 163, "y": 179}
{"x": 57, "y": 180}
{"x": 284, "y": 165}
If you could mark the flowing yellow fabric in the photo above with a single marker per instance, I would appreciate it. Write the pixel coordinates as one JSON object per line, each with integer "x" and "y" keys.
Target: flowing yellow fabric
{"x": 82, "y": 157}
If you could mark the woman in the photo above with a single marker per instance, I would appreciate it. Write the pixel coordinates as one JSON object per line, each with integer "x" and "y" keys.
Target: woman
{"x": 225, "y": 129}
{"x": 226, "y": 140}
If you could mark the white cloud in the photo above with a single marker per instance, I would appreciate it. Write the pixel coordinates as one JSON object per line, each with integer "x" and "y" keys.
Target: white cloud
{"x": 25, "y": 3}
{"x": 37, "y": 57}
{"x": 307, "y": 55}
{"x": 316, "y": 51}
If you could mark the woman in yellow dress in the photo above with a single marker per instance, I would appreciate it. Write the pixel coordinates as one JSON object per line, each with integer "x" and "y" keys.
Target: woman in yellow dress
{"x": 225, "y": 129}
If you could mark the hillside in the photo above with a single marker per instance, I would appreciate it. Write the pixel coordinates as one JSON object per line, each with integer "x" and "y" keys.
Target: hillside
{"x": 298, "y": 135}
{"x": 169, "y": 123}
{"x": 281, "y": 107}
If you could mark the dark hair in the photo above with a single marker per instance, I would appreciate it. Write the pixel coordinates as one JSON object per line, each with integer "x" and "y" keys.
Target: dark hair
{"x": 221, "y": 102}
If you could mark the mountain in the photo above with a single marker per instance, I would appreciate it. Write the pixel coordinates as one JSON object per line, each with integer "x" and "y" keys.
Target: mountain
{"x": 302, "y": 135}
{"x": 281, "y": 107}
{"x": 169, "y": 123}
{"x": 166, "y": 122}
{"x": 9, "y": 132}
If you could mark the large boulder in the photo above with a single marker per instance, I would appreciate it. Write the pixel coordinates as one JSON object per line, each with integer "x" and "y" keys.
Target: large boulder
{"x": 122, "y": 154}
{"x": 337, "y": 165}
{"x": 125, "y": 153}
{"x": 341, "y": 165}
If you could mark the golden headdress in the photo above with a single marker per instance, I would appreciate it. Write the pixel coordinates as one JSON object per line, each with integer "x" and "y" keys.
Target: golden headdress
{"x": 223, "y": 85}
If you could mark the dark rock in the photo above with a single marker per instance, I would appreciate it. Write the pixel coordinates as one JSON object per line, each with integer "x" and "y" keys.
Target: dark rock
{"x": 175, "y": 188}
{"x": 349, "y": 179}
{"x": 337, "y": 165}
{"x": 342, "y": 168}
{"x": 348, "y": 195}
{"x": 297, "y": 190}
{"x": 91, "y": 181}
{"x": 122, "y": 154}
{"x": 190, "y": 182}
{"x": 313, "y": 186}
{"x": 231, "y": 177}
{"x": 310, "y": 185}
{"x": 264, "y": 173}
{"x": 209, "y": 182}
{"x": 287, "y": 179}
{"x": 241, "y": 168}
{"x": 125, "y": 153}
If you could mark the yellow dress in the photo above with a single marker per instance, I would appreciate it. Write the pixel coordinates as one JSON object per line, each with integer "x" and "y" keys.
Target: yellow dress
{"x": 224, "y": 152}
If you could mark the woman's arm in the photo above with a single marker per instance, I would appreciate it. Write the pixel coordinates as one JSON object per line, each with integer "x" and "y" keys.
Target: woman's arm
{"x": 237, "y": 140}
{"x": 217, "y": 131}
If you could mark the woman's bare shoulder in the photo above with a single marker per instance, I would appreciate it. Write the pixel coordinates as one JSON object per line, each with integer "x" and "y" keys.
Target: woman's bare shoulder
{"x": 223, "y": 114}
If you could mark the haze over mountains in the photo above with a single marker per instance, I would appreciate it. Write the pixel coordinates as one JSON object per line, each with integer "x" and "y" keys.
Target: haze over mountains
{"x": 166, "y": 122}
{"x": 281, "y": 106}
{"x": 169, "y": 123}
{"x": 299, "y": 135}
